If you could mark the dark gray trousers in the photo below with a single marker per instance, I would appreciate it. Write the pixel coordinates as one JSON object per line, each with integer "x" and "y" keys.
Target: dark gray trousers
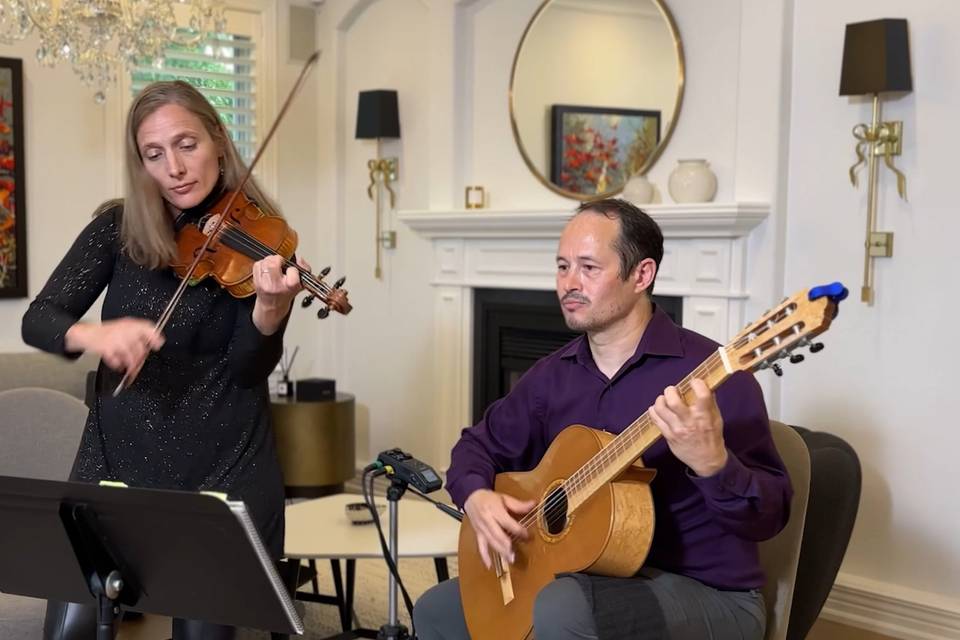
{"x": 691, "y": 610}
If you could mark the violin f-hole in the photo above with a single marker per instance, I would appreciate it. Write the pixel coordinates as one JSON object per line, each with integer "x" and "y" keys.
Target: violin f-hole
{"x": 207, "y": 249}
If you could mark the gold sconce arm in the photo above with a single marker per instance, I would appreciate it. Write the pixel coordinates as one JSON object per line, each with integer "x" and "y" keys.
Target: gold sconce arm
{"x": 383, "y": 171}
{"x": 878, "y": 139}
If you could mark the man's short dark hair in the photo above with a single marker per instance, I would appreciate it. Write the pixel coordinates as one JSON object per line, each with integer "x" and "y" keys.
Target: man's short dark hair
{"x": 640, "y": 236}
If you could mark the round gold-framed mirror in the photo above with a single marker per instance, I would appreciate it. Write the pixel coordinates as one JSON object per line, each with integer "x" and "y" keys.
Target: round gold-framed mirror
{"x": 595, "y": 92}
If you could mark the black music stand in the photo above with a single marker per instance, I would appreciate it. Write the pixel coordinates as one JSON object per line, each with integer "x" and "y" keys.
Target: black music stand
{"x": 173, "y": 553}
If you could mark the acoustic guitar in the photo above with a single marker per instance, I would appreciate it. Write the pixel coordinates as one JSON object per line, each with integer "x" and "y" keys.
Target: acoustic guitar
{"x": 594, "y": 511}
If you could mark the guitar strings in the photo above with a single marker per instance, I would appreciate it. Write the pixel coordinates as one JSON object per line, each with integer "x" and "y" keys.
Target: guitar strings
{"x": 594, "y": 467}
{"x": 621, "y": 443}
{"x": 601, "y": 459}
{"x": 599, "y": 463}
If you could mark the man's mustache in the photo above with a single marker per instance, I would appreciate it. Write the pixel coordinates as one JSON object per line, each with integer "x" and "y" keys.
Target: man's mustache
{"x": 576, "y": 297}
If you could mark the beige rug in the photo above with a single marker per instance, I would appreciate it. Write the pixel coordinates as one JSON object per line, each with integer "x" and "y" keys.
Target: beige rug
{"x": 370, "y": 596}
{"x": 320, "y": 620}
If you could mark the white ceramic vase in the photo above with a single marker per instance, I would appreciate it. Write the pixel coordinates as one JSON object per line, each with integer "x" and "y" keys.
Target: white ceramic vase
{"x": 638, "y": 190}
{"x": 692, "y": 181}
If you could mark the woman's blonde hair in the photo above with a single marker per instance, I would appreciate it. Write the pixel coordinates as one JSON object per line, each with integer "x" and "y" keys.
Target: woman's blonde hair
{"x": 146, "y": 231}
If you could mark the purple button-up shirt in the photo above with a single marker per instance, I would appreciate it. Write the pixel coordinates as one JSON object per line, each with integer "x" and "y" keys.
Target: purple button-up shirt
{"x": 706, "y": 528}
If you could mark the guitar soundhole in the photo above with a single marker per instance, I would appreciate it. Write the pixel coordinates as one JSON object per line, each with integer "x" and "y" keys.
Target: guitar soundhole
{"x": 555, "y": 511}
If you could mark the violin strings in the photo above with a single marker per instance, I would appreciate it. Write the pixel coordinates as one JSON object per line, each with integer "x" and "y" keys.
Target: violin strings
{"x": 234, "y": 232}
{"x": 262, "y": 250}
{"x": 258, "y": 249}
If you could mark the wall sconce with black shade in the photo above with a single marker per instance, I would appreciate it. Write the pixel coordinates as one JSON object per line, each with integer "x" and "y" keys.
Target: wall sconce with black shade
{"x": 876, "y": 59}
{"x": 378, "y": 117}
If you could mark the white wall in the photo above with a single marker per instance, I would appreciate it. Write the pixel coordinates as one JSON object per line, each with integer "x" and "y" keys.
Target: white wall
{"x": 761, "y": 105}
{"x": 73, "y": 164}
{"x": 885, "y": 380}
{"x": 451, "y": 63}
{"x": 383, "y": 343}
{"x": 66, "y": 172}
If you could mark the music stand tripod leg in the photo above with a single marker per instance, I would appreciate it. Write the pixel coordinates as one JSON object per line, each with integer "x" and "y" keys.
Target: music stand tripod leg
{"x": 100, "y": 565}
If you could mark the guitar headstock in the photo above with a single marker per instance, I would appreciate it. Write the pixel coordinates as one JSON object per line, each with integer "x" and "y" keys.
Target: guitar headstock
{"x": 790, "y": 325}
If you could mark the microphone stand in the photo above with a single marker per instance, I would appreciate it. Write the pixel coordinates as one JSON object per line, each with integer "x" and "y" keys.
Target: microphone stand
{"x": 393, "y": 630}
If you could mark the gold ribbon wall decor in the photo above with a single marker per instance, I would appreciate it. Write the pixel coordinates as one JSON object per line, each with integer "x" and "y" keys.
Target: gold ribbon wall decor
{"x": 382, "y": 172}
{"x": 886, "y": 142}
{"x": 877, "y": 139}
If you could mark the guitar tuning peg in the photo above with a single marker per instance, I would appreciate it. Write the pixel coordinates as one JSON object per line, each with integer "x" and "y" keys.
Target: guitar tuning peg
{"x": 306, "y": 302}
{"x": 816, "y": 347}
{"x": 796, "y": 358}
{"x": 777, "y": 370}
{"x": 326, "y": 270}
{"x": 323, "y": 312}
{"x": 339, "y": 283}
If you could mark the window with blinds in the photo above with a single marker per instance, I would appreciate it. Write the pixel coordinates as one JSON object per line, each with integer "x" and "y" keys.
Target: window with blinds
{"x": 222, "y": 67}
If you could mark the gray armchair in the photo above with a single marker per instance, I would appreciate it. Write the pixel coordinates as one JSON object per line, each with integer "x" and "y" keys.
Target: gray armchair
{"x": 835, "y": 482}
{"x": 802, "y": 561}
{"x": 39, "y": 431}
{"x": 780, "y": 555}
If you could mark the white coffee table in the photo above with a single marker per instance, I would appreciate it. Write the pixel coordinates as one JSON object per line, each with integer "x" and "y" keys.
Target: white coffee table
{"x": 320, "y": 530}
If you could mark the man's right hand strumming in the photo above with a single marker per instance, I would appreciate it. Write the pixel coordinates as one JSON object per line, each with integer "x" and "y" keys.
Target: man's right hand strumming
{"x": 492, "y": 515}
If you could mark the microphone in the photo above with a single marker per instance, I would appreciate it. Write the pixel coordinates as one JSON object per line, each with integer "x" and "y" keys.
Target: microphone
{"x": 408, "y": 469}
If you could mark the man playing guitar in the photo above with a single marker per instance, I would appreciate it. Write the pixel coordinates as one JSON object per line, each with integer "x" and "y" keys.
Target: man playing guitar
{"x": 720, "y": 486}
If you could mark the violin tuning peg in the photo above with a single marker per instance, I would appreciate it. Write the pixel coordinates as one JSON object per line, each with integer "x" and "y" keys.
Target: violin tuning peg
{"x": 306, "y": 302}
{"x": 339, "y": 283}
{"x": 323, "y": 313}
{"x": 324, "y": 272}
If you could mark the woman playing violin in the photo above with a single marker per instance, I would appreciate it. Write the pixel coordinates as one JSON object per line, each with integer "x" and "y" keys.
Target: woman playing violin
{"x": 197, "y": 414}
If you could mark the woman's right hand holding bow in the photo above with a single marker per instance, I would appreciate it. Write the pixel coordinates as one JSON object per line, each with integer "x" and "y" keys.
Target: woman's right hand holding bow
{"x": 123, "y": 344}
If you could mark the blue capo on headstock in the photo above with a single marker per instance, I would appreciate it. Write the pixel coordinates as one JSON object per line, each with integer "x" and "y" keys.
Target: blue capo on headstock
{"x": 835, "y": 291}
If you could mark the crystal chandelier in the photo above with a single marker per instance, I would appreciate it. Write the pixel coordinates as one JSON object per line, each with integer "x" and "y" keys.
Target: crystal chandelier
{"x": 100, "y": 37}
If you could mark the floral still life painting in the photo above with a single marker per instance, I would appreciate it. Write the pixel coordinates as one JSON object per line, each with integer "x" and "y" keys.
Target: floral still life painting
{"x": 595, "y": 150}
{"x": 13, "y": 247}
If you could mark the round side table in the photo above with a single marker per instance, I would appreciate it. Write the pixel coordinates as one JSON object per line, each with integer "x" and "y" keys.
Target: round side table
{"x": 315, "y": 444}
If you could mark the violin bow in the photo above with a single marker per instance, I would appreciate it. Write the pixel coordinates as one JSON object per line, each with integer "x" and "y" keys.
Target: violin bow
{"x": 130, "y": 375}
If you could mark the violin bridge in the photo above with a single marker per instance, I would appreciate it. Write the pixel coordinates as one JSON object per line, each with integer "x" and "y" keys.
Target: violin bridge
{"x": 503, "y": 575}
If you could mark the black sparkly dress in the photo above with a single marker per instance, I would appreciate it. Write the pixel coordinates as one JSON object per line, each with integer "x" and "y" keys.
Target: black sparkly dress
{"x": 198, "y": 415}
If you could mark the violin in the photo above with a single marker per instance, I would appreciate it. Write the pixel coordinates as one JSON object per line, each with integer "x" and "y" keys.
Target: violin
{"x": 247, "y": 234}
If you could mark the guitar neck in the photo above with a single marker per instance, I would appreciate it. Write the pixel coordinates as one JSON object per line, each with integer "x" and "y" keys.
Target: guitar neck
{"x": 624, "y": 450}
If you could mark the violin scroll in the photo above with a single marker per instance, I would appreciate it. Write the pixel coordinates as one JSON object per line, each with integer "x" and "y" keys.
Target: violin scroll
{"x": 335, "y": 297}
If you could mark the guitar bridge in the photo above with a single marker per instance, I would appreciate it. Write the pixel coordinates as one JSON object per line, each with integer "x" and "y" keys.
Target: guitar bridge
{"x": 503, "y": 576}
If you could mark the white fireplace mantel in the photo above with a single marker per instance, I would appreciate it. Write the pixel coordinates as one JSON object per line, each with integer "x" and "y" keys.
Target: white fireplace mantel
{"x": 708, "y": 220}
{"x": 704, "y": 262}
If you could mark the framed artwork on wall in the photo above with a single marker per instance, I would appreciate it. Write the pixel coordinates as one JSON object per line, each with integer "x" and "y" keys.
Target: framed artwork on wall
{"x": 13, "y": 215}
{"x": 595, "y": 150}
